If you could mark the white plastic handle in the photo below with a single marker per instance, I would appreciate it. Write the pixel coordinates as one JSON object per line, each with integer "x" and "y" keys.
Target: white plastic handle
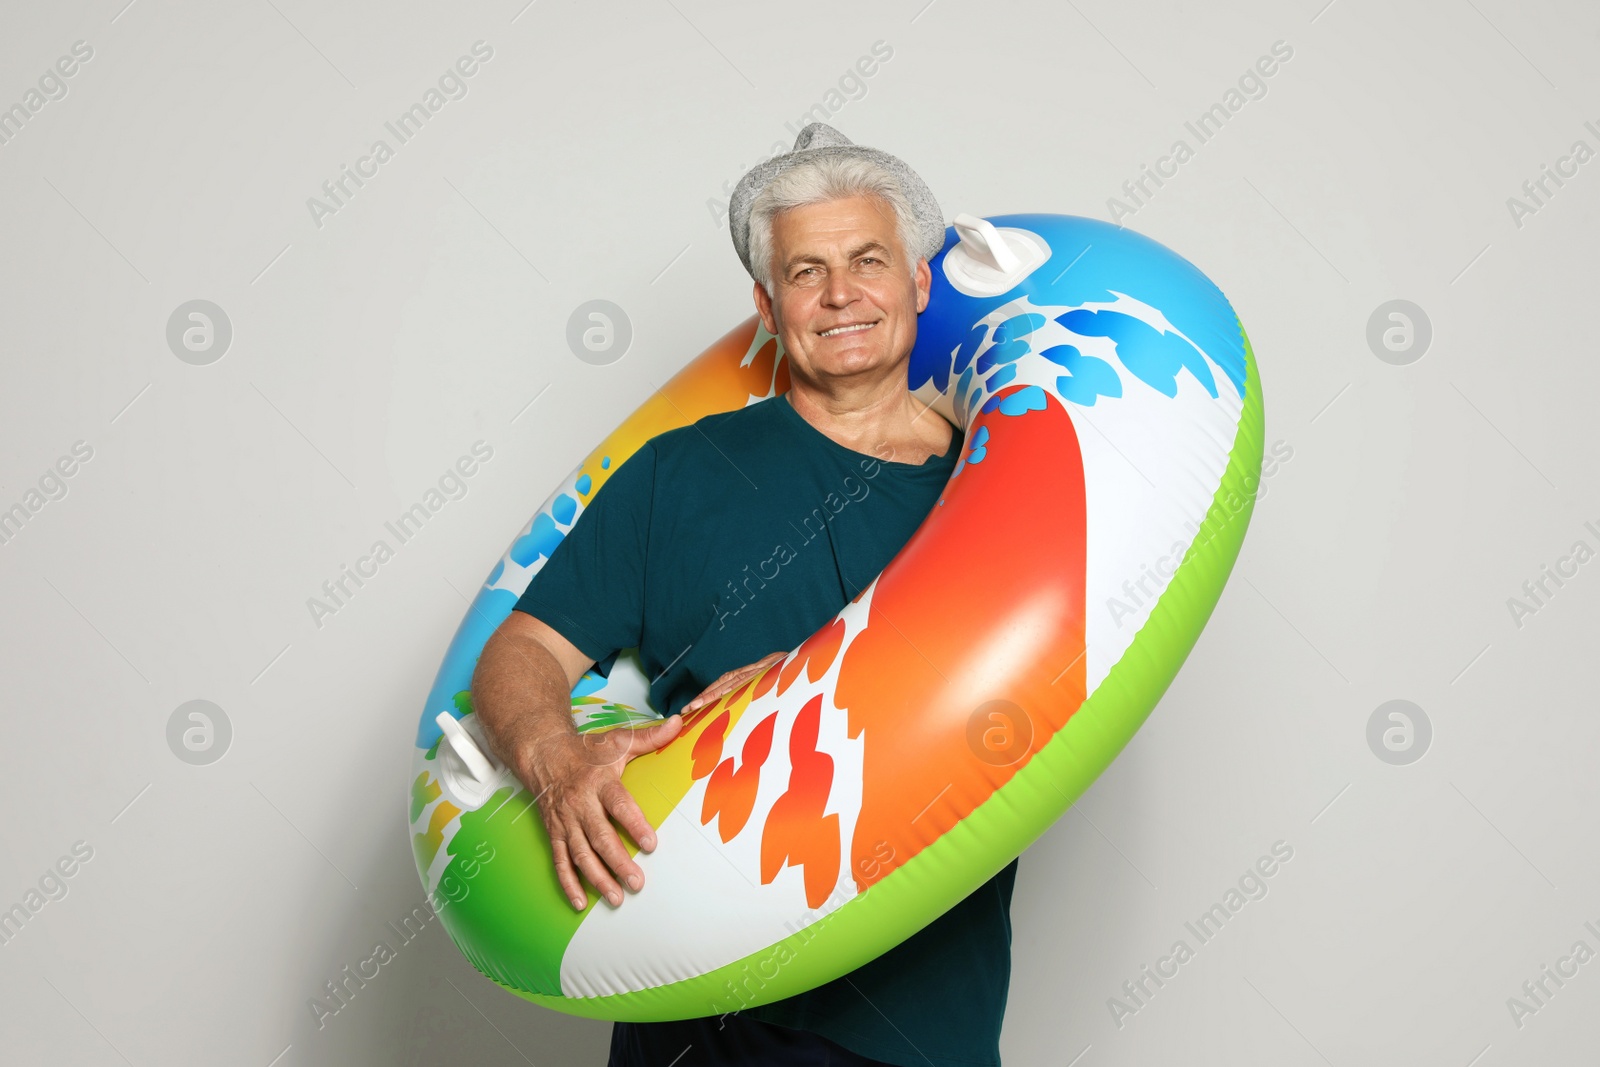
{"x": 989, "y": 260}
{"x": 466, "y": 748}
{"x": 985, "y": 244}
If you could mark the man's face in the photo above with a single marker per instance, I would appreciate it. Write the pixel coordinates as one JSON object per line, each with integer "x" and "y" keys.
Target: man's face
{"x": 840, "y": 264}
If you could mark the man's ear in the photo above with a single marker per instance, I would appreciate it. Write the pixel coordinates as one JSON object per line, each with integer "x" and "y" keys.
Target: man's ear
{"x": 764, "y": 309}
{"x": 924, "y": 279}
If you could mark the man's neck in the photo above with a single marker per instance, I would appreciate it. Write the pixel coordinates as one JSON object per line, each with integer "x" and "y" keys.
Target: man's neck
{"x": 882, "y": 420}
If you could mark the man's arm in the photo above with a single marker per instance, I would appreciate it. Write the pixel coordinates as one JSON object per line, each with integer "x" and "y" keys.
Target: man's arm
{"x": 522, "y": 695}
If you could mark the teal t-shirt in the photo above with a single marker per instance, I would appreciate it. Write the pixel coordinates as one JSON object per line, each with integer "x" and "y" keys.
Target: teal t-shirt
{"x": 741, "y": 535}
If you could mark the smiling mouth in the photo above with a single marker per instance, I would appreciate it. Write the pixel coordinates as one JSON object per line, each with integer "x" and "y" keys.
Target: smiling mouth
{"x": 854, "y": 327}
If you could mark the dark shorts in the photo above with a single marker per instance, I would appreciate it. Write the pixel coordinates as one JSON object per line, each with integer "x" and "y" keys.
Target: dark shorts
{"x": 726, "y": 1041}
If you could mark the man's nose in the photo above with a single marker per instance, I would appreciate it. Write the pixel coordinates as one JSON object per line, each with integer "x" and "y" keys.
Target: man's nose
{"x": 842, "y": 289}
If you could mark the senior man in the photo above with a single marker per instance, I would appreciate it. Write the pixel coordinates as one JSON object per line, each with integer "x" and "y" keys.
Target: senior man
{"x": 837, "y": 237}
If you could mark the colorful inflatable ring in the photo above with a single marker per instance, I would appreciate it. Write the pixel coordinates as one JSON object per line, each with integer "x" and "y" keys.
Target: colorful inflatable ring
{"x": 946, "y": 717}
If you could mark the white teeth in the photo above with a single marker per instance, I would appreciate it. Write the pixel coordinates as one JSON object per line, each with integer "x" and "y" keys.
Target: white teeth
{"x": 848, "y": 329}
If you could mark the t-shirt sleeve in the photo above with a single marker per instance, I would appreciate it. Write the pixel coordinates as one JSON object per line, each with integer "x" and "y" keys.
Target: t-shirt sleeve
{"x": 591, "y": 589}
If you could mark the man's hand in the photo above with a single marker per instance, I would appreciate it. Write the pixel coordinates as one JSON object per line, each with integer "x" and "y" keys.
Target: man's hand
{"x": 731, "y": 681}
{"x": 576, "y": 779}
{"x": 522, "y": 692}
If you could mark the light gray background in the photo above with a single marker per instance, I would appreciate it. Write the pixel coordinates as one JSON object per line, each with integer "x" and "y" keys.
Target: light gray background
{"x": 369, "y": 353}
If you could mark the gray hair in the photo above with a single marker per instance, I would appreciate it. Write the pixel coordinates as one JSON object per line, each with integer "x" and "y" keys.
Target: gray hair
{"x": 817, "y": 181}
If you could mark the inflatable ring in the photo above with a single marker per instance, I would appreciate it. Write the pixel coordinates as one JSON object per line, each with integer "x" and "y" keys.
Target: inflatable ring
{"x": 949, "y": 714}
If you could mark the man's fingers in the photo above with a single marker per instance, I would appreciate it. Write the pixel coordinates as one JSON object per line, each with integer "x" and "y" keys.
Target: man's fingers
{"x": 580, "y": 846}
{"x": 722, "y": 687}
{"x": 732, "y": 680}
{"x": 723, "y": 679}
{"x": 583, "y": 839}
{"x": 567, "y": 876}
{"x": 645, "y": 739}
{"x": 608, "y": 847}
{"x": 708, "y": 696}
{"x": 623, "y": 808}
